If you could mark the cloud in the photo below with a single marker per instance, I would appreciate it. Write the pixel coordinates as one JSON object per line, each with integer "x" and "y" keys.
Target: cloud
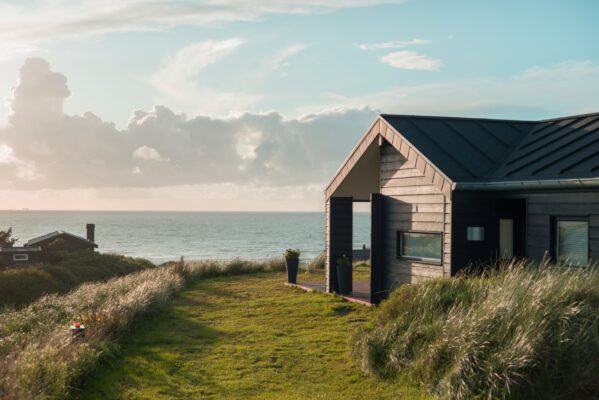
{"x": 179, "y": 72}
{"x": 279, "y": 60}
{"x": 569, "y": 87}
{"x": 396, "y": 44}
{"x": 27, "y": 23}
{"x": 147, "y": 153}
{"x": 83, "y": 151}
{"x": 411, "y": 60}
{"x": 180, "y": 85}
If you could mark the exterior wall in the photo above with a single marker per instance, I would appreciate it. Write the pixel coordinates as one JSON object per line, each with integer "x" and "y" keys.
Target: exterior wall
{"x": 414, "y": 200}
{"x": 542, "y": 206}
{"x": 484, "y": 209}
{"x": 6, "y": 259}
{"x": 532, "y": 213}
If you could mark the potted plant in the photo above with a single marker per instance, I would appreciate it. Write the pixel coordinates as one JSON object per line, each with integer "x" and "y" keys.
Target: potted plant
{"x": 344, "y": 274}
{"x": 292, "y": 263}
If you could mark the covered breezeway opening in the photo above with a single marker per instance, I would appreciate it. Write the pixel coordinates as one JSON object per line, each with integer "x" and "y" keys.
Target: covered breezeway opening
{"x": 358, "y": 184}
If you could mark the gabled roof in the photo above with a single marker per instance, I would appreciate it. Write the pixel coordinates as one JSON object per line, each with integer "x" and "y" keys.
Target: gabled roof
{"x": 465, "y": 149}
{"x": 479, "y": 150}
{"x": 55, "y": 234}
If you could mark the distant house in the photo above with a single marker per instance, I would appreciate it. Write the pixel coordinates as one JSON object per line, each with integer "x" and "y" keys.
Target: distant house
{"x": 449, "y": 192}
{"x": 36, "y": 249}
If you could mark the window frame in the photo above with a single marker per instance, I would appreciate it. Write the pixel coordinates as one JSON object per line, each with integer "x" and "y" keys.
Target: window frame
{"x": 400, "y": 256}
{"x": 20, "y": 257}
{"x": 555, "y": 220}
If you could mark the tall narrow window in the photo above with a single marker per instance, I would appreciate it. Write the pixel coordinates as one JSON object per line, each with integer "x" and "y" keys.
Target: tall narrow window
{"x": 572, "y": 241}
{"x": 422, "y": 246}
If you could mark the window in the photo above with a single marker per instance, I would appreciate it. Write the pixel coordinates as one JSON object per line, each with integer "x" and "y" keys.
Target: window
{"x": 475, "y": 233}
{"x": 20, "y": 257}
{"x": 572, "y": 241}
{"x": 424, "y": 246}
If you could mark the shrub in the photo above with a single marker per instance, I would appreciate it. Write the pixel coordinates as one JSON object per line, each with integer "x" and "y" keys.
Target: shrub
{"x": 21, "y": 285}
{"x": 521, "y": 331}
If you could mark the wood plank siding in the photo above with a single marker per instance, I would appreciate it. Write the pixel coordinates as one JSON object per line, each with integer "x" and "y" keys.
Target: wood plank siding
{"x": 413, "y": 201}
{"x": 541, "y": 207}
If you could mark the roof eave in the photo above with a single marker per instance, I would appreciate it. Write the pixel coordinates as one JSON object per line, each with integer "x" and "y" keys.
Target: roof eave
{"x": 529, "y": 184}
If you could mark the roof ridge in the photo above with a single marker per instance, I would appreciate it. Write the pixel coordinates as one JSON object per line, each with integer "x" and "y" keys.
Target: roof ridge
{"x": 384, "y": 115}
{"x": 591, "y": 114}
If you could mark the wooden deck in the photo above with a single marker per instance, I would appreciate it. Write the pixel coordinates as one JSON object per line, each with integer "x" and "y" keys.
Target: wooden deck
{"x": 360, "y": 294}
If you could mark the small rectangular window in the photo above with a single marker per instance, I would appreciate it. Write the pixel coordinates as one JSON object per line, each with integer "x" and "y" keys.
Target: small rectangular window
{"x": 422, "y": 246}
{"x": 20, "y": 257}
{"x": 572, "y": 241}
{"x": 475, "y": 233}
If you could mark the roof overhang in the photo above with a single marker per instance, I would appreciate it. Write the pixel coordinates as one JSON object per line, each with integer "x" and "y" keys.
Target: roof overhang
{"x": 529, "y": 185}
{"x": 19, "y": 249}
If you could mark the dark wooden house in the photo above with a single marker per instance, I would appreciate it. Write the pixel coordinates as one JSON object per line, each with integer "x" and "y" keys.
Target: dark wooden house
{"x": 448, "y": 192}
{"x": 37, "y": 249}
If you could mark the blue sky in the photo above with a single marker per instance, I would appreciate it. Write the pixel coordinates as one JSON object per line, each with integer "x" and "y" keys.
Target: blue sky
{"x": 218, "y": 59}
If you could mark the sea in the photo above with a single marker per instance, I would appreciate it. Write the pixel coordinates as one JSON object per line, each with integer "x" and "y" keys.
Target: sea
{"x": 165, "y": 236}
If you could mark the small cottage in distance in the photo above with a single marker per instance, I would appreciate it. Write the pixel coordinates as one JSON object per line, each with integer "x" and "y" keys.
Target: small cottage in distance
{"x": 36, "y": 249}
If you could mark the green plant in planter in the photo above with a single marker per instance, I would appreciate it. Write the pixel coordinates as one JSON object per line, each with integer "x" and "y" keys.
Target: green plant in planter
{"x": 343, "y": 261}
{"x": 292, "y": 253}
{"x": 344, "y": 275}
{"x": 292, "y": 264}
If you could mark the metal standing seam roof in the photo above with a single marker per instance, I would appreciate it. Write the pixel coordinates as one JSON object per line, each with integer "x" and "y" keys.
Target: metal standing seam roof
{"x": 501, "y": 150}
{"x": 50, "y": 235}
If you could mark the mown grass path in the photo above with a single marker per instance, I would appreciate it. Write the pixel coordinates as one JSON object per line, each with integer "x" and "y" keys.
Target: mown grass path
{"x": 244, "y": 337}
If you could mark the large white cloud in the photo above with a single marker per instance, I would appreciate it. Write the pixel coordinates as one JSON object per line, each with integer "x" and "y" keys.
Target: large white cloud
{"x": 44, "y": 148}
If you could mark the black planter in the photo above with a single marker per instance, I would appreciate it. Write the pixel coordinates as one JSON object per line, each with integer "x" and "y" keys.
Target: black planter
{"x": 344, "y": 278}
{"x": 292, "y": 266}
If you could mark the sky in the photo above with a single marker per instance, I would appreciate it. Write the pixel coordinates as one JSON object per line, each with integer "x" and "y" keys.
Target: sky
{"x": 252, "y": 106}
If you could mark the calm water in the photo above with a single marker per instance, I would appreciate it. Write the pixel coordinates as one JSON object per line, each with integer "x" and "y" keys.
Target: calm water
{"x": 163, "y": 236}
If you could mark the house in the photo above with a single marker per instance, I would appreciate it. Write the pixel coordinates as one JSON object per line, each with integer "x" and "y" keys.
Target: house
{"x": 449, "y": 192}
{"x": 37, "y": 249}
{"x": 69, "y": 242}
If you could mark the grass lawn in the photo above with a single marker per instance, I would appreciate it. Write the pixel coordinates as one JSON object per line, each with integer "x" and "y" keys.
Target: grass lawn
{"x": 243, "y": 337}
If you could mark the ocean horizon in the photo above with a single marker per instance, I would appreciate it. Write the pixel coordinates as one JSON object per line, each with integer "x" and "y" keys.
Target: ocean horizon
{"x": 162, "y": 236}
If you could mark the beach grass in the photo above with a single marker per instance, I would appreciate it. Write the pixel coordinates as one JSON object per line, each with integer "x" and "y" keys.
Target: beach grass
{"x": 40, "y": 359}
{"x": 523, "y": 330}
{"x": 243, "y": 337}
{"x": 22, "y": 285}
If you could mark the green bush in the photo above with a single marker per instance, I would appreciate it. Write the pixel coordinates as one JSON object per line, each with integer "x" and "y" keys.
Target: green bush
{"x": 21, "y": 285}
{"x": 522, "y": 331}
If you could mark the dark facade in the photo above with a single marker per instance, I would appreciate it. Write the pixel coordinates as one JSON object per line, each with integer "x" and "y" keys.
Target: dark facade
{"x": 19, "y": 256}
{"x": 448, "y": 193}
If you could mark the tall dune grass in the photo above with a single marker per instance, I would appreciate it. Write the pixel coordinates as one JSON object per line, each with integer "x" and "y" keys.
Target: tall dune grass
{"x": 40, "y": 359}
{"x": 523, "y": 331}
{"x": 22, "y": 285}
